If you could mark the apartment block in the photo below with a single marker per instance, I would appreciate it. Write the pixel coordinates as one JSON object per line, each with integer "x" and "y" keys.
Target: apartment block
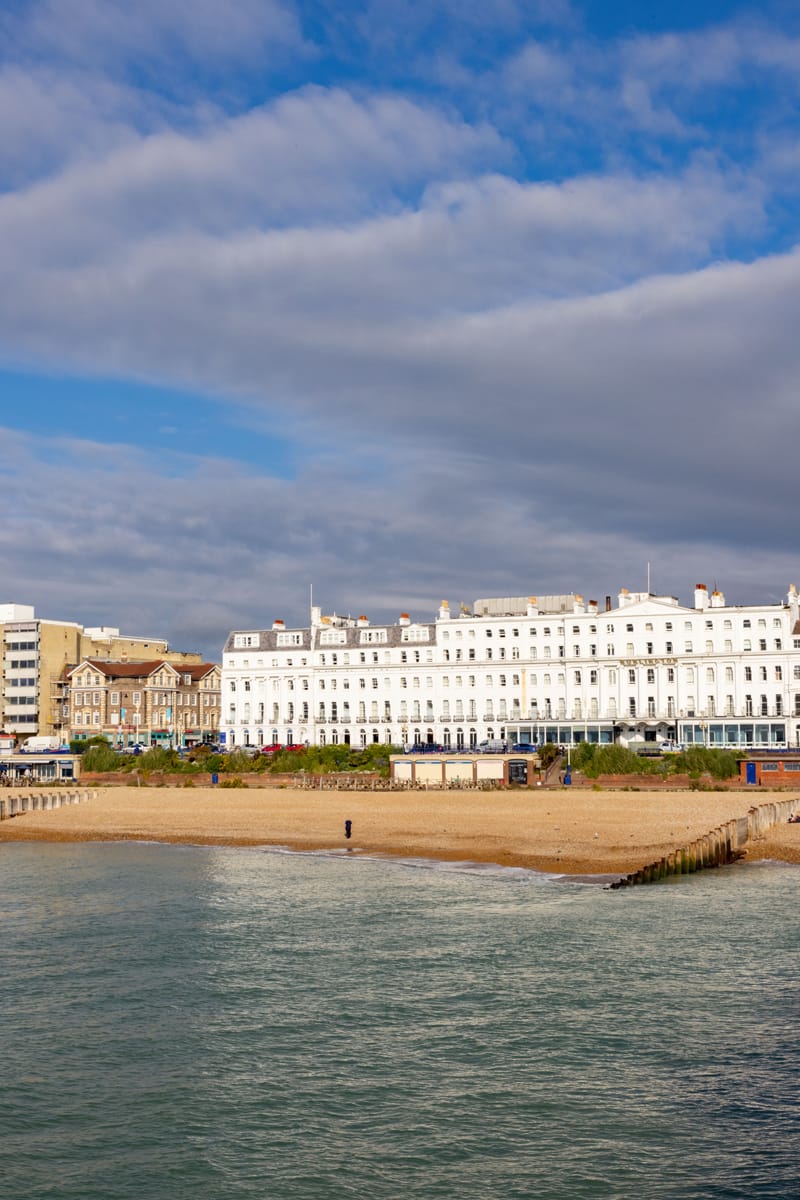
{"x": 36, "y": 654}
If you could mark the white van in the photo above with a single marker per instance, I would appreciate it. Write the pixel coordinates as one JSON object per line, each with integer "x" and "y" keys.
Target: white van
{"x": 493, "y": 746}
{"x": 42, "y": 744}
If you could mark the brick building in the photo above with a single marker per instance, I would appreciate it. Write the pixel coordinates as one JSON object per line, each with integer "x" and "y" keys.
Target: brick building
{"x": 153, "y": 703}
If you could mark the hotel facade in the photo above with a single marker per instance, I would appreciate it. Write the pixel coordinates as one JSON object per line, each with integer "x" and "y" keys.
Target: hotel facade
{"x": 154, "y": 703}
{"x": 524, "y": 669}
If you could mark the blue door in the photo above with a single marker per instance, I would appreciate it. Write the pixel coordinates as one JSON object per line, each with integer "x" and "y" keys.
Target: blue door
{"x": 751, "y": 772}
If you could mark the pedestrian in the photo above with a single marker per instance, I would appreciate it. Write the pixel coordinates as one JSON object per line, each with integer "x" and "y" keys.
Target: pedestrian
{"x": 348, "y": 828}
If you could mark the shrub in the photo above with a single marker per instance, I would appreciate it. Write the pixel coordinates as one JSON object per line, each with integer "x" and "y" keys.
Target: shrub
{"x": 101, "y": 758}
{"x": 704, "y": 760}
{"x": 618, "y": 760}
{"x": 548, "y": 753}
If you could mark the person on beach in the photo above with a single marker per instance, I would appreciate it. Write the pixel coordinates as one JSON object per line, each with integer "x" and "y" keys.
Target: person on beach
{"x": 348, "y": 828}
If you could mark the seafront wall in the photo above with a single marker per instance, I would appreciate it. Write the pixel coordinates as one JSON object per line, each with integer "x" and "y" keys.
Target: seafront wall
{"x": 722, "y": 845}
{"x": 14, "y": 806}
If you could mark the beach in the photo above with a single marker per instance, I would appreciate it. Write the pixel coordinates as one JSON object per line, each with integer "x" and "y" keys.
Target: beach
{"x": 563, "y": 831}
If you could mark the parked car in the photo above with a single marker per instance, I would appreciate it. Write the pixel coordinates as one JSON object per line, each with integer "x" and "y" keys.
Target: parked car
{"x": 271, "y": 749}
{"x": 524, "y": 748}
{"x": 492, "y": 746}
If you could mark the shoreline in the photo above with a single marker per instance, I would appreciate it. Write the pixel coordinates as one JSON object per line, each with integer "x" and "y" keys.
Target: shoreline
{"x": 583, "y": 833}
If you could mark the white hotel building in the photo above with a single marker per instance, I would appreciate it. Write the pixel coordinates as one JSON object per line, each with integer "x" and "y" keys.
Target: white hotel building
{"x": 524, "y": 669}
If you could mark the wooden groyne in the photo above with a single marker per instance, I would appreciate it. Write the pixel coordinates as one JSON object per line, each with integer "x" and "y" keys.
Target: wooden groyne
{"x": 722, "y": 845}
{"x": 15, "y": 806}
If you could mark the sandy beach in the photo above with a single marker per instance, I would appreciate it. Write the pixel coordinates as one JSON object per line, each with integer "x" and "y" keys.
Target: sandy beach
{"x": 573, "y": 832}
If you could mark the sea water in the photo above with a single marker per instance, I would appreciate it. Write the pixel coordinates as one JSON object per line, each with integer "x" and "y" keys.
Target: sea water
{"x": 212, "y": 1022}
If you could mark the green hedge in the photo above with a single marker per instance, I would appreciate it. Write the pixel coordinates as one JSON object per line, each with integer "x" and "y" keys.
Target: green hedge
{"x": 318, "y": 760}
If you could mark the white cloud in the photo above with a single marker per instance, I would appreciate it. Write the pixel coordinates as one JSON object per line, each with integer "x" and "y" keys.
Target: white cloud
{"x": 308, "y": 158}
{"x": 116, "y": 31}
{"x": 194, "y": 547}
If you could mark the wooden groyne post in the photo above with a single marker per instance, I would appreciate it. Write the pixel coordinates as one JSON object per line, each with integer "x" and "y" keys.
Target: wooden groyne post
{"x": 721, "y": 845}
{"x": 15, "y": 806}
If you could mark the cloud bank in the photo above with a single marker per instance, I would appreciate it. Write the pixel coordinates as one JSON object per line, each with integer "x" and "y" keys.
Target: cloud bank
{"x": 481, "y": 308}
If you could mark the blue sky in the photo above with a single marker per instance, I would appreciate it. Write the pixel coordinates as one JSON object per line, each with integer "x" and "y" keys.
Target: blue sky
{"x": 402, "y": 300}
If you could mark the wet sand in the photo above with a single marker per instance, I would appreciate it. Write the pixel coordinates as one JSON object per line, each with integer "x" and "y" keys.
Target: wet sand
{"x": 572, "y": 832}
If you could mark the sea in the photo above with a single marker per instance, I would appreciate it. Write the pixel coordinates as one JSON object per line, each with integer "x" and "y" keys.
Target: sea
{"x": 214, "y": 1023}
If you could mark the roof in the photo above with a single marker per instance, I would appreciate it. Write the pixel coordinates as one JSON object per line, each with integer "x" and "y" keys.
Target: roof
{"x": 140, "y": 670}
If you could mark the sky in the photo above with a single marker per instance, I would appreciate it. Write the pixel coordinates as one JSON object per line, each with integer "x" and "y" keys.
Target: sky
{"x": 398, "y": 301}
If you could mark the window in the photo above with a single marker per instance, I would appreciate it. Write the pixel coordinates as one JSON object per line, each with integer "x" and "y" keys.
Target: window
{"x": 631, "y": 676}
